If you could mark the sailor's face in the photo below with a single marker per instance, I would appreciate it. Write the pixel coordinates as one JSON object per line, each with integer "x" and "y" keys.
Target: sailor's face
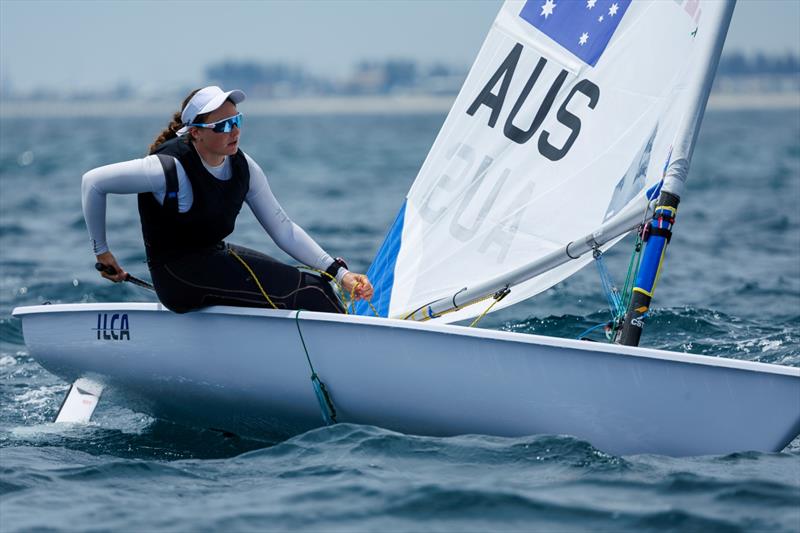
{"x": 216, "y": 144}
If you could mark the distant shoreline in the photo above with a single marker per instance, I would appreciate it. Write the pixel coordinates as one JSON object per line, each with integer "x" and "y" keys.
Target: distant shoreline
{"x": 332, "y": 105}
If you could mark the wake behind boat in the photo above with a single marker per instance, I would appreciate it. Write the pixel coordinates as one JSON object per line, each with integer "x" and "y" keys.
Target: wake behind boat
{"x": 572, "y": 129}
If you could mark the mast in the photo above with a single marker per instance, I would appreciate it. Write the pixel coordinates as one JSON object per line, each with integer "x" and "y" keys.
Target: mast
{"x": 659, "y": 230}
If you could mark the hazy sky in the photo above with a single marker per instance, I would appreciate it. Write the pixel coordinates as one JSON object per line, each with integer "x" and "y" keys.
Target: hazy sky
{"x": 96, "y": 44}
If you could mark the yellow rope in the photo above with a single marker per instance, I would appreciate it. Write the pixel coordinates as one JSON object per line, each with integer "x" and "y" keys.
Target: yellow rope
{"x": 375, "y": 311}
{"x": 448, "y": 311}
{"x": 253, "y": 275}
{"x": 499, "y": 295}
{"x": 478, "y": 319}
{"x": 496, "y": 296}
{"x": 352, "y": 301}
{"x": 347, "y": 303}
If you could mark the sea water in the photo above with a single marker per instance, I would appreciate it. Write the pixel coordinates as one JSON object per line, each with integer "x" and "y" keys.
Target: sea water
{"x": 731, "y": 288}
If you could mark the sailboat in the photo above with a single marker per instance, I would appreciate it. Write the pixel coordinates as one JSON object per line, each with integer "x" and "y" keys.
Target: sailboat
{"x": 575, "y": 126}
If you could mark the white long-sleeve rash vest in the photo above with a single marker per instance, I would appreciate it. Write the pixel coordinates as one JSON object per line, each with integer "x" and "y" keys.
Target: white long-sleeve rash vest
{"x": 147, "y": 175}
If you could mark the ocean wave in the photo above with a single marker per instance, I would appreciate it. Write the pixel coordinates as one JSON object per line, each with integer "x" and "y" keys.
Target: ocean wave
{"x": 11, "y": 331}
{"x": 689, "y": 330}
{"x": 363, "y": 478}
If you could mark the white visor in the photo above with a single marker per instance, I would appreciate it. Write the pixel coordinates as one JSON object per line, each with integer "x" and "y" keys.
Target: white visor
{"x": 207, "y": 100}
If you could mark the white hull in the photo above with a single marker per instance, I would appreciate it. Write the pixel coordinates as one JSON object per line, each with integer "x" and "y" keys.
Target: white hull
{"x": 245, "y": 371}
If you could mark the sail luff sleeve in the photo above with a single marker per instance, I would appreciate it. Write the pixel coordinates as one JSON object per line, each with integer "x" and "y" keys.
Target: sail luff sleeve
{"x": 661, "y": 227}
{"x": 706, "y": 68}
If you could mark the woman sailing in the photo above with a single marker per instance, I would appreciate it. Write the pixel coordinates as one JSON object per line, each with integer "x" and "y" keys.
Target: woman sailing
{"x": 190, "y": 190}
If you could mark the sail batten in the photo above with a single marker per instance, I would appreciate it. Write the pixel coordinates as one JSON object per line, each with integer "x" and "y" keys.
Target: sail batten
{"x": 566, "y": 118}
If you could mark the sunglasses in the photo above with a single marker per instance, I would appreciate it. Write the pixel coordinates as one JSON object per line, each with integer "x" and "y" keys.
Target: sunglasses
{"x": 223, "y": 126}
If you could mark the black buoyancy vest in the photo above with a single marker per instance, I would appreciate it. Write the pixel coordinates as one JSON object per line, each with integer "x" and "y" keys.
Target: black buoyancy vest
{"x": 216, "y": 203}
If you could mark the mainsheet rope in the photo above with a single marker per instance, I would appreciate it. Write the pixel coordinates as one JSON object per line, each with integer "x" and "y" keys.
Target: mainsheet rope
{"x": 348, "y": 303}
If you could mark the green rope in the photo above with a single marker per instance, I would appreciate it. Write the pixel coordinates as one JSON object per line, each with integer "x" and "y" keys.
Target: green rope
{"x": 636, "y": 257}
{"x": 320, "y": 390}
{"x": 627, "y": 290}
{"x": 630, "y": 277}
{"x": 297, "y": 323}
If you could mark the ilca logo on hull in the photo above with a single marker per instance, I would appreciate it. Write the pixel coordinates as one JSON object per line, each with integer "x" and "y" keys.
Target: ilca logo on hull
{"x": 113, "y": 327}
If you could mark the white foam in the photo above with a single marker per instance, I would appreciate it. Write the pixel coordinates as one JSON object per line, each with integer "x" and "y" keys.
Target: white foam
{"x": 45, "y": 430}
{"x": 767, "y": 345}
{"x": 40, "y": 397}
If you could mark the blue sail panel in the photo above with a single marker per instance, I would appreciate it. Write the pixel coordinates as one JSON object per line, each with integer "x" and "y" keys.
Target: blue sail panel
{"x": 381, "y": 272}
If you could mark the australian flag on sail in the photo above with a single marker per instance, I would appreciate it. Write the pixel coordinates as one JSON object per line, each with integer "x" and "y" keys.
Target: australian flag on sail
{"x": 584, "y": 27}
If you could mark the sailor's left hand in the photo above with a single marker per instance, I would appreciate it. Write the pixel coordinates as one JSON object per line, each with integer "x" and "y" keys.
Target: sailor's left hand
{"x": 358, "y": 284}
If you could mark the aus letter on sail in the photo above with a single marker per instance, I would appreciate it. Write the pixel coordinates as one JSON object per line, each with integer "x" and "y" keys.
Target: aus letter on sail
{"x": 495, "y": 102}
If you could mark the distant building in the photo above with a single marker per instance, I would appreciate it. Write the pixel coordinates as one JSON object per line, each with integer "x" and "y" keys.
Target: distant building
{"x": 738, "y": 73}
{"x": 266, "y": 80}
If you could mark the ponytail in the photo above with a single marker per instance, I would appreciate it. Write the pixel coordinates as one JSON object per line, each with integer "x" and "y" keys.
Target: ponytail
{"x": 172, "y": 129}
{"x": 167, "y": 134}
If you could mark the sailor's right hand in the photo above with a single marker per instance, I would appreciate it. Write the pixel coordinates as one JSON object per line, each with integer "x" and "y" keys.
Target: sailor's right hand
{"x": 109, "y": 262}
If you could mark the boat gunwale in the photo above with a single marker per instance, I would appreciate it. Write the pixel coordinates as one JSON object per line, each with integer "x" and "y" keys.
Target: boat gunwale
{"x": 449, "y": 329}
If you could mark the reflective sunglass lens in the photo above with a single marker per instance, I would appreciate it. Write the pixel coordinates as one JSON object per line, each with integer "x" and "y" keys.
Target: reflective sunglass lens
{"x": 227, "y": 125}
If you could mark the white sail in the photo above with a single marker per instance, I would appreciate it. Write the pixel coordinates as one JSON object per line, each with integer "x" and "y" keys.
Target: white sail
{"x": 567, "y": 117}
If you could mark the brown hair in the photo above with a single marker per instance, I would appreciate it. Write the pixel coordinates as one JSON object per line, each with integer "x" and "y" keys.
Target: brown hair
{"x": 171, "y": 131}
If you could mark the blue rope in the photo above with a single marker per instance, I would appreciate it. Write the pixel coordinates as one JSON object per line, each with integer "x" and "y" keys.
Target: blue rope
{"x": 591, "y": 329}
{"x": 613, "y": 297}
{"x": 610, "y": 290}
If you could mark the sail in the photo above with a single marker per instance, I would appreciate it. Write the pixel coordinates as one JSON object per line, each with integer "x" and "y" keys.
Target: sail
{"x": 567, "y": 117}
